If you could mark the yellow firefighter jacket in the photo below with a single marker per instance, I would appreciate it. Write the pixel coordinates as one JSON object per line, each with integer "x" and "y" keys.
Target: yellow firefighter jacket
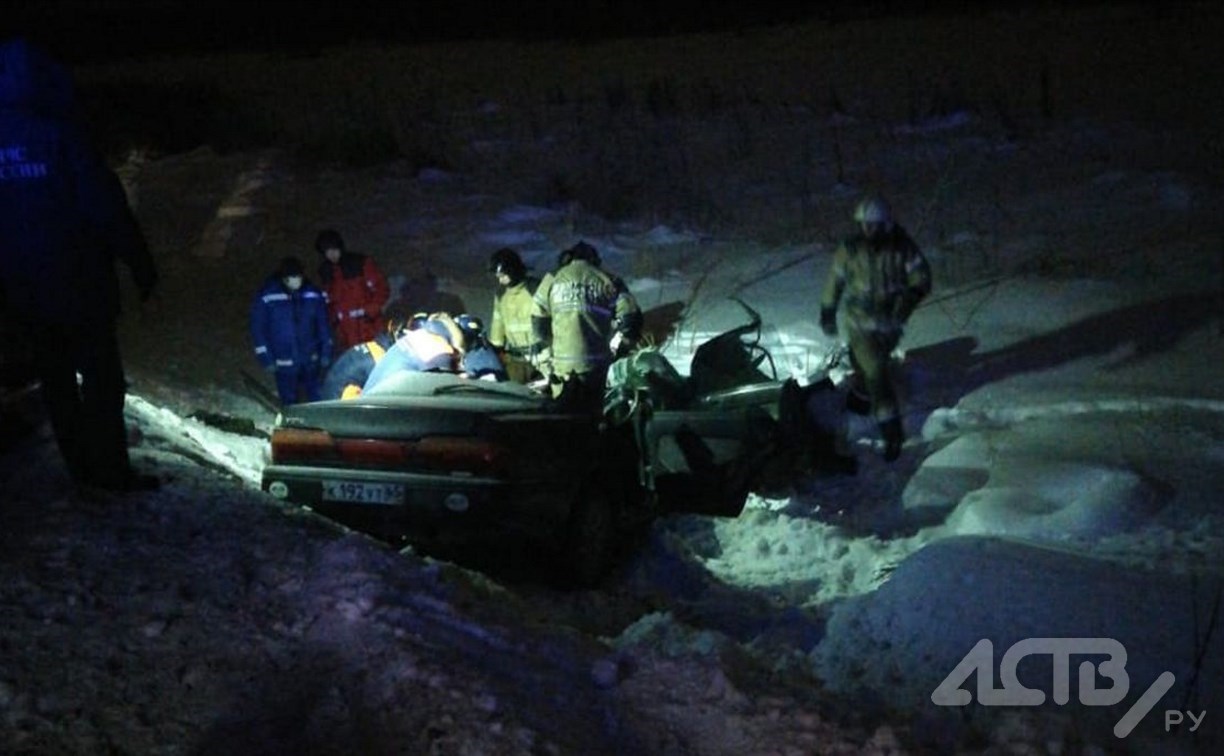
{"x": 583, "y": 304}
{"x": 877, "y": 283}
{"x": 510, "y": 329}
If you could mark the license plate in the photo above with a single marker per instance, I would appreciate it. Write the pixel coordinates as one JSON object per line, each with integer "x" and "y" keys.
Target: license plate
{"x": 363, "y": 493}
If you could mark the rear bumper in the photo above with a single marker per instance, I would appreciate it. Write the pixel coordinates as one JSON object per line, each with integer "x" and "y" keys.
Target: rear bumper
{"x": 433, "y": 503}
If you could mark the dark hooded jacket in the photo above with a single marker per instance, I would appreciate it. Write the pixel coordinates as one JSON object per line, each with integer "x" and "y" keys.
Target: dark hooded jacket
{"x": 64, "y": 217}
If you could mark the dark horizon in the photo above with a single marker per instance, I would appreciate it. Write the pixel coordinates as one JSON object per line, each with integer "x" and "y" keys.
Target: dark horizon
{"x": 83, "y": 32}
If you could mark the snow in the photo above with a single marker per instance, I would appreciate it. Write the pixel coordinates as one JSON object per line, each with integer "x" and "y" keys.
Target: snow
{"x": 1062, "y": 479}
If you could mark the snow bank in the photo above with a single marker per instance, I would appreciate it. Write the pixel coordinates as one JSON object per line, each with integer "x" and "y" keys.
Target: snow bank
{"x": 1055, "y": 501}
{"x": 895, "y": 646}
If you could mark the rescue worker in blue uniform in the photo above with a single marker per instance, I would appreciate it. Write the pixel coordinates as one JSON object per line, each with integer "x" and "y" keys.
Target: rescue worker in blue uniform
{"x": 432, "y": 344}
{"x": 480, "y": 358}
{"x": 290, "y": 332}
{"x": 349, "y": 372}
{"x": 64, "y": 222}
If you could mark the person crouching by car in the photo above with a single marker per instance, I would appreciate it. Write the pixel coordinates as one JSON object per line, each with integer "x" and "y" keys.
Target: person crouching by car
{"x": 349, "y": 372}
{"x": 480, "y": 359}
{"x": 432, "y": 344}
{"x": 290, "y": 332}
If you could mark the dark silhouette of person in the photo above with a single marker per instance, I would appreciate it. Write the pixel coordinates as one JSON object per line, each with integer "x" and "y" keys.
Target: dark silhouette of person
{"x": 64, "y": 222}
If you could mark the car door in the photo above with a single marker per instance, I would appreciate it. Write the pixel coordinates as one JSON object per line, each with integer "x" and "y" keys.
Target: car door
{"x": 703, "y": 460}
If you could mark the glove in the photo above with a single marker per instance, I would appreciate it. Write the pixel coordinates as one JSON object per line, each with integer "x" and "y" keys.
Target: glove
{"x": 828, "y": 321}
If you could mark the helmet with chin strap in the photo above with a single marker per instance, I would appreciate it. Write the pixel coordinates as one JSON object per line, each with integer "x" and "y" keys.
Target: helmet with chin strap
{"x": 585, "y": 252}
{"x": 873, "y": 209}
{"x": 417, "y": 320}
{"x": 506, "y": 261}
{"x": 470, "y": 325}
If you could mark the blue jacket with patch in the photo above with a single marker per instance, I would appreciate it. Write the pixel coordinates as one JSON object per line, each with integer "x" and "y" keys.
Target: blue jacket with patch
{"x": 481, "y": 360}
{"x": 64, "y": 216}
{"x": 289, "y": 328}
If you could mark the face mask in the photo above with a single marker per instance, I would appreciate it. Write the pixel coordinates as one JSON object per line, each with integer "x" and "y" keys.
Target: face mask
{"x": 293, "y": 283}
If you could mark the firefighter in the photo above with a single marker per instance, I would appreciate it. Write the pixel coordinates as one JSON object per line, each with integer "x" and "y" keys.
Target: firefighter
{"x": 349, "y": 372}
{"x": 65, "y": 220}
{"x": 877, "y": 279}
{"x": 510, "y": 330}
{"x": 356, "y": 290}
{"x": 586, "y": 317}
{"x": 290, "y": 333}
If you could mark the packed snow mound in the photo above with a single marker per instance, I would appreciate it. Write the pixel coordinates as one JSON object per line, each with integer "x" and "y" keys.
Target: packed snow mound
{"x": 1055, "y": 501}
{"x": 894, "y": 646}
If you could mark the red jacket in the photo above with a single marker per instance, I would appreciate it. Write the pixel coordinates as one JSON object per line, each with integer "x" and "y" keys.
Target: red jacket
{"x": 356, "y": 293}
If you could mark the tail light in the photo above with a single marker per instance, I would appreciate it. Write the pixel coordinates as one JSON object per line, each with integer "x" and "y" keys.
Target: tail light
{"x": 471, "y": 456}
{"x": 468, "y": 455}
{"x": 290, "y": 445}
{"x": 374, "y": 452}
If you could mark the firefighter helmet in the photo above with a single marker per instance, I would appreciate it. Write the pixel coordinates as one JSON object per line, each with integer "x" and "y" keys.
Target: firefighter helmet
{"x": 470, "y": 325}
{"x": 507, "y": 261}
{"x": 873, "y": 209}
{"x": 585, "y": 252}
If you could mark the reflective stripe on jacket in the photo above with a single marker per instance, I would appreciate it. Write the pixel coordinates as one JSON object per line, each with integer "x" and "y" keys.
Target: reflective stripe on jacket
{"x": 418, "y": 350}
{"x": 289, "y": 328}
{"x": 356, "y": 292}
{"x": 581, "y": 302}
{"x": 510, "y": 328}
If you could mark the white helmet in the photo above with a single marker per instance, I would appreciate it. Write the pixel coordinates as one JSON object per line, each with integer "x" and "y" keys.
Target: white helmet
{"x": 873, "y": 210}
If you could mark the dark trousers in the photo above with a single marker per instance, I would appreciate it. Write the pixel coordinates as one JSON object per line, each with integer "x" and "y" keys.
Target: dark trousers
{"x": 871, "y": 359}
{"x": 86, "y": 417}
{"x": 298, "y": 384}
{"x": 581, "y": 392}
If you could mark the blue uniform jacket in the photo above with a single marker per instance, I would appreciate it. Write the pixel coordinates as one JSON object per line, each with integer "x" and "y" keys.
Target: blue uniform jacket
{"x": 354, "y": 366}
{"x": 481, "y": 360}
{"x": 421, "y": 349}
{"x": 289, "y": 328}
{"x": 64, "y": 217}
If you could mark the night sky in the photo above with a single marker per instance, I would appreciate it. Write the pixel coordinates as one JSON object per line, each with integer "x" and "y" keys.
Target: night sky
{"x": 83, "y": 31}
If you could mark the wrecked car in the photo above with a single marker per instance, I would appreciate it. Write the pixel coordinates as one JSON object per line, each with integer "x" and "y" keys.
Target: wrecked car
{"x": 425, "y": 454}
